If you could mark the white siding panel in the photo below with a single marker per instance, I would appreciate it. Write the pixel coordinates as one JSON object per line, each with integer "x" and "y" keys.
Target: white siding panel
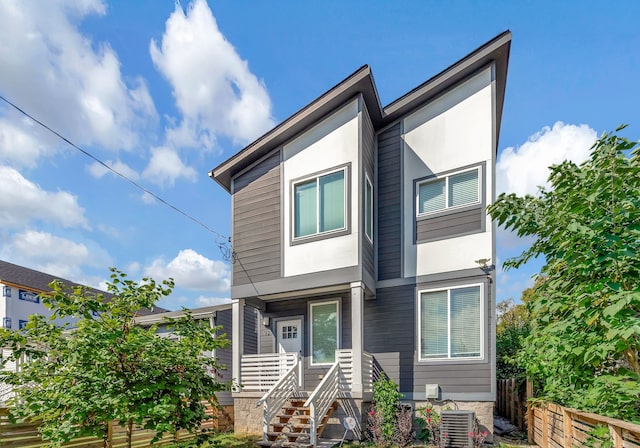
{"x": 332, "y": 143}
{"x": 451, "y": 132}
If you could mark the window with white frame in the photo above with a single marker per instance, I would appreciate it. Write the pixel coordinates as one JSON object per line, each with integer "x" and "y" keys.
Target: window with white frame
{"x": 450, "y": 323}
{"x": 454, "y": 190}
{"x": 319, "y": 204}
{"x": 324, "y": 331}
{"x": 368, "y": 208}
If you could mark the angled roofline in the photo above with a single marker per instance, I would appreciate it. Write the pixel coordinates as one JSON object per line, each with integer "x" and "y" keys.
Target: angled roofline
{"x": 496, "y": 51}
{"x": 361, "y": 82}
{"x": 358, "y": 82}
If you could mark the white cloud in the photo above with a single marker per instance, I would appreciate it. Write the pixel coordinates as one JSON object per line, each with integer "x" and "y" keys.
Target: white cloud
{"x": 65, "y": 79}
{"x": 55, "y": 255}
{"x": 522, "y": 169}
{"x": 22, "y": 201}
{"x": 98, "y": 170}
{"x": 203, "y": 301}
{"x": 22, "y": 142}
{"x": 165, "y": 167}
{"x": 190, "y": 270}
{"x": 214, "y": 89}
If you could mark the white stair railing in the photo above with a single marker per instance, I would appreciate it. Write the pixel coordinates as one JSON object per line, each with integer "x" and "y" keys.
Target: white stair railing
{"x": 322, "y": 398}
{"x": 278, "y": 395}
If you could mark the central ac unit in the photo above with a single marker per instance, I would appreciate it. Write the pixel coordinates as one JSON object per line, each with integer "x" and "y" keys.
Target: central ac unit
{"x": 455, "y": 427}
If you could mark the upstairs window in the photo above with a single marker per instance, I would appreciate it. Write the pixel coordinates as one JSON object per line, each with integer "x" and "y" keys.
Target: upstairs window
{"x": 319, "y": 204}
{"x": 450, "y": 322}
{"x": 455, "y": 190}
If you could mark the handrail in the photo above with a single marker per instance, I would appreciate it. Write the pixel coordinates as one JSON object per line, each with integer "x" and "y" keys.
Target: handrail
{"x": 275, "y": 388}
{"x": 322, "y": 398}
{"x": 278, "y": 395}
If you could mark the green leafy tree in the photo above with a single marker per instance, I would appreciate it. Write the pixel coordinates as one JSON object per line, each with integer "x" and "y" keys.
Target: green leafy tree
{"x": 583, "y": 348}
{"x": 511, "y": 328}
{"x": 107, "y": 368}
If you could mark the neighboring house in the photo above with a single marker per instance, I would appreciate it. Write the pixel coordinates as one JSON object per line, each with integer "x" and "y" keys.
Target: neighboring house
{"x": 361, "y": 236}
{"x": 20, "y": 290}
{"x": 218, "y": 315}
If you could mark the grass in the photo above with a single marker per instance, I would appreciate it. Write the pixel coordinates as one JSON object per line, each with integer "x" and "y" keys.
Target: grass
{"x": 221, "y": 440}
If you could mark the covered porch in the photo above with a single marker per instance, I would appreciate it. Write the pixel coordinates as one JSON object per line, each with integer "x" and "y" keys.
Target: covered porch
{"x": 308, "y": 370}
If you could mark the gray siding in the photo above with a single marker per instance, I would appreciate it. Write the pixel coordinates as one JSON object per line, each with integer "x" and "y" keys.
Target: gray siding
{"x": 256, "y": 222}
{"x": 389, "y": 203}
{"x": 250, "y": 330}
{"x": 368, "y": 162}
{"x": 448, "y": 225}
{"x": 300, "y": 307}
{"x": 389, "y": 334}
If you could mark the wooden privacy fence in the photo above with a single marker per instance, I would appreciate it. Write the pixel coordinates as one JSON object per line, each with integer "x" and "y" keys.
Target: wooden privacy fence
{"x": 25, "y": 435}
{"x": 553, "y": 426}
{"x": 511, "y": 403}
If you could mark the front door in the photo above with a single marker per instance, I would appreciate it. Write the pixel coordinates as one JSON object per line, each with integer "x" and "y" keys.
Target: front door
{"x": 289, "y": 336}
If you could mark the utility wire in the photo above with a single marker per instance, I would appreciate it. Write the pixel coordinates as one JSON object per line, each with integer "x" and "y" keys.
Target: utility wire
{"x": 227, "y": 253}
{"x": 118, "y": 173}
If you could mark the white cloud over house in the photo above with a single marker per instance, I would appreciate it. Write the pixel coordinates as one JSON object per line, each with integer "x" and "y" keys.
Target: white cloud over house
{"x": 214, "y": 89}
{"x": 203, "y": 301}
{"x": 193, "y": 271}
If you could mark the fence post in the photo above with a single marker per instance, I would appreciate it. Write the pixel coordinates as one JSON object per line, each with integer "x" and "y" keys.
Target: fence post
{"x": 616, "y": 436}
{"x": 512, "y": 400}
{"x": 110, "y": 434}
{"x": 545, "y": 427}
{"x": 530, "y": 418}
{"x": 567, "y": 427}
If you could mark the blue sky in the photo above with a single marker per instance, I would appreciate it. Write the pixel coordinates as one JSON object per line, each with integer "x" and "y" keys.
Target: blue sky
{"x": 165, "y": 92}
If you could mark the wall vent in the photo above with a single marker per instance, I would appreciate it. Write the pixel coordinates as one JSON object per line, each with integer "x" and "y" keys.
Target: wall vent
{"x": 455, "y": 427}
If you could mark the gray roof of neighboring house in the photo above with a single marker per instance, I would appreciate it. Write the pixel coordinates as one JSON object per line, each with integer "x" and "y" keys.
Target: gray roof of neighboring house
{"x": 195, "y": 312}
{"x": 361, "y": 82}
{"x": 22, "y": 277}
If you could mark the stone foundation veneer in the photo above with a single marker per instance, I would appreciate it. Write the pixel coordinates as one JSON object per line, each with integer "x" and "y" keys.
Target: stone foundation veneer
{"x": 248, "y": 417}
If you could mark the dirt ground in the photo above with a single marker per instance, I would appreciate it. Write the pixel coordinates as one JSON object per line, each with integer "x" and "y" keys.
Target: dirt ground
{"x": 516, "y": 439}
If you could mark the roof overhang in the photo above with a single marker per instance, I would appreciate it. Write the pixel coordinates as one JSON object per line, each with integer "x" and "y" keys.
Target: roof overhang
{"x": 361, "y": 82}
{"x": 495, "y": 51}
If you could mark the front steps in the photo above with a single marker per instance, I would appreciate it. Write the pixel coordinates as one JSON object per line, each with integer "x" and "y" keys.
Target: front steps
{"x": 293, "y": 424}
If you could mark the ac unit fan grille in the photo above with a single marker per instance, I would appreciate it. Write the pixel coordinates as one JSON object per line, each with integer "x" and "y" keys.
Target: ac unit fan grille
{"x": 455, "y": 427}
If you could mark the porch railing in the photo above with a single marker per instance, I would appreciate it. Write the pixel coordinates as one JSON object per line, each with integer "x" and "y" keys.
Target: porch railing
{"x": 345, "y": 359}
{"x": 322, "y": 398}
{"x": 259, "y": 373}
{"x": 278, "y": 395}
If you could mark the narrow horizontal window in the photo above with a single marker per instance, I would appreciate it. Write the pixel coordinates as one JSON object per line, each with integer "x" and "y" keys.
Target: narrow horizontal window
{"x": 451, "y": 191}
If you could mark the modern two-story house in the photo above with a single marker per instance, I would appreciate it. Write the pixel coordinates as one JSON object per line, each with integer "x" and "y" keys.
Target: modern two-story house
{"x": 360, "y": 235}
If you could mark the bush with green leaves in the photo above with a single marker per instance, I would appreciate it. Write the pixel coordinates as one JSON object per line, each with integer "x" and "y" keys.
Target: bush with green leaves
{"x": 382, "y": 417}
{"x": 107, "y": 368}
{"x": 583, "y": 349}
